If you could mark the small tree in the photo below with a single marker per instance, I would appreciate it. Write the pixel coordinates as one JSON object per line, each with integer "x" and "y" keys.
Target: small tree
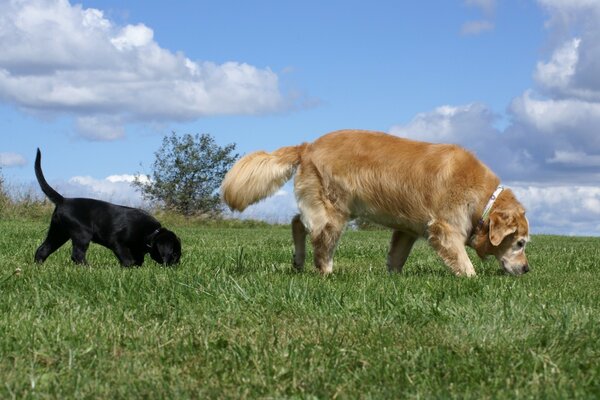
{"x": 186, "y": 174}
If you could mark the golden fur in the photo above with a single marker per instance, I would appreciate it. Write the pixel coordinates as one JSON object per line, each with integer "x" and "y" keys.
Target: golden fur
{"x": 436, "y": 191}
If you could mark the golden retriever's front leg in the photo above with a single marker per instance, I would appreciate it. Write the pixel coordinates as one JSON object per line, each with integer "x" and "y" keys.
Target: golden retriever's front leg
{"x": 299, "y": 236}
{"x": 324, "y": 244}
{"x": 450, "y": 245}
{"x": 400, "y": 248}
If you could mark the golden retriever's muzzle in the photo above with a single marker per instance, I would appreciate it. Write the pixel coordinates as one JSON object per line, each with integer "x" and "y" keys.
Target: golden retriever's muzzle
{"x": 515, "y": 269}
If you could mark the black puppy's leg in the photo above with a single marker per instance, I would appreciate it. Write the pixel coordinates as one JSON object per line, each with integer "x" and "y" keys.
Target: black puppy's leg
{"x": 125, "y": 256}
{"x": 138, "y": 257}
{"x": 80, "y": 247}
{"x": 56, "y": 237}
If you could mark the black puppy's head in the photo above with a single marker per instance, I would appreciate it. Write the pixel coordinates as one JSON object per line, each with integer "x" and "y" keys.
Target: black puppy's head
{"x": 165, "y": 247}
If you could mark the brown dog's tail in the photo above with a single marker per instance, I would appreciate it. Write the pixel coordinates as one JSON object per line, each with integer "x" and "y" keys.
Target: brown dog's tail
{"x": 258, "y": 175}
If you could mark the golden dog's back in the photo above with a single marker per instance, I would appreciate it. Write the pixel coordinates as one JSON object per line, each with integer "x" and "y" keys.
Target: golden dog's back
{"x": 384, "y": 176}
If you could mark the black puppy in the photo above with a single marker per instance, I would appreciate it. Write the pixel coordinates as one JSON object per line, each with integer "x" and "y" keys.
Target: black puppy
{"x": 129, "y": 232}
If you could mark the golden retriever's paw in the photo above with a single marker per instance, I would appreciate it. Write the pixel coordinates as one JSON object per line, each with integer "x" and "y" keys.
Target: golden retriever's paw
{"x": 468, "y": 273}
{"x": 326, "y": 268}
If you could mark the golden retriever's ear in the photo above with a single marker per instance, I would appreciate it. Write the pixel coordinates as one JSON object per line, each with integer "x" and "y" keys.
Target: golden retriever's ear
{"x": 501, "y": 225}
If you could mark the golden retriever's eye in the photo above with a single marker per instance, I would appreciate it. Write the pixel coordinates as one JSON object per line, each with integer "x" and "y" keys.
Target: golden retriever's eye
{"x": 521, "y": 243}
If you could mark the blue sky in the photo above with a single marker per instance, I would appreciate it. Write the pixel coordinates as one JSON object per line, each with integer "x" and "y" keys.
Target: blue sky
{"x": 97, "y": 84}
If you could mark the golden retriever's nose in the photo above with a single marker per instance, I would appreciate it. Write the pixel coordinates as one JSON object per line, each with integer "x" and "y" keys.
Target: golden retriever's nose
{"x": 525, "y": 268}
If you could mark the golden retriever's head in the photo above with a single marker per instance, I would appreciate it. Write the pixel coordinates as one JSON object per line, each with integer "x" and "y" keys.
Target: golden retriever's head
{"x": 505, "y": 235}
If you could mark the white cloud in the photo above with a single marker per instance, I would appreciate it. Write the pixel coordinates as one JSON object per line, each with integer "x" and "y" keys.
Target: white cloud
{"x": 571, "y": 71}
{"x": 558, "y": 72}
{"x": 133, "y": 36}
{"x": 63, "y": 58}
{"x": 568, "y": 209}
{"x": 115, "y": 189}
{"x": 569, "y": 12}
{"x": 12, "y": 160}
{"x": 575, "y": 62}
{"x": 557, "y": 123}
{"x": 467, "y": 125}
{"x": 575, "y": 158}
{"x": 476, "y": 27}
{"x": 128, "y": 178}
{"x": 571, "y": 116}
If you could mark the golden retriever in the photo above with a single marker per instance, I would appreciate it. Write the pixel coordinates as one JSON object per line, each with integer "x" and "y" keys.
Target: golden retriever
{"x": 436, "y": 191}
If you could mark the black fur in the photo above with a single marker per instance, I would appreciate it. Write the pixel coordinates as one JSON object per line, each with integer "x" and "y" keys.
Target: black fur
{"x": 129, "y": 232}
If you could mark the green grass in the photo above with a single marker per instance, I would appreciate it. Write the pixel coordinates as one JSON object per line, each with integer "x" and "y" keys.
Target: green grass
{"x": 234, "y": 321}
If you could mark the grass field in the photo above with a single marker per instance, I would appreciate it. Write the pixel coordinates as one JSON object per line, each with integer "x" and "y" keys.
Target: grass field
{"x": 234, "y": 321}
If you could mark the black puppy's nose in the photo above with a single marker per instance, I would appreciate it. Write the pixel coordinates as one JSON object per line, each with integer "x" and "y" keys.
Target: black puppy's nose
{"x": 525, "y": 268}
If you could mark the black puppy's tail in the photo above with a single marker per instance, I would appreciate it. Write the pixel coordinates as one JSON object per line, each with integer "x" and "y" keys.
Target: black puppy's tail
{"x": 52, "y": 194}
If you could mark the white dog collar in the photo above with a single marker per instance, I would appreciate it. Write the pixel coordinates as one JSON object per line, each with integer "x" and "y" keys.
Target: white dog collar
{"x": 490, "y": 204}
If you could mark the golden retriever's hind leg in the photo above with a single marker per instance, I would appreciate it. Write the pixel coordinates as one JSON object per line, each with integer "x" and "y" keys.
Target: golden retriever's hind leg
{"x": 400, "y": 247}
{"x": 450, "y": 245}
{"x": 299, "y": 235}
